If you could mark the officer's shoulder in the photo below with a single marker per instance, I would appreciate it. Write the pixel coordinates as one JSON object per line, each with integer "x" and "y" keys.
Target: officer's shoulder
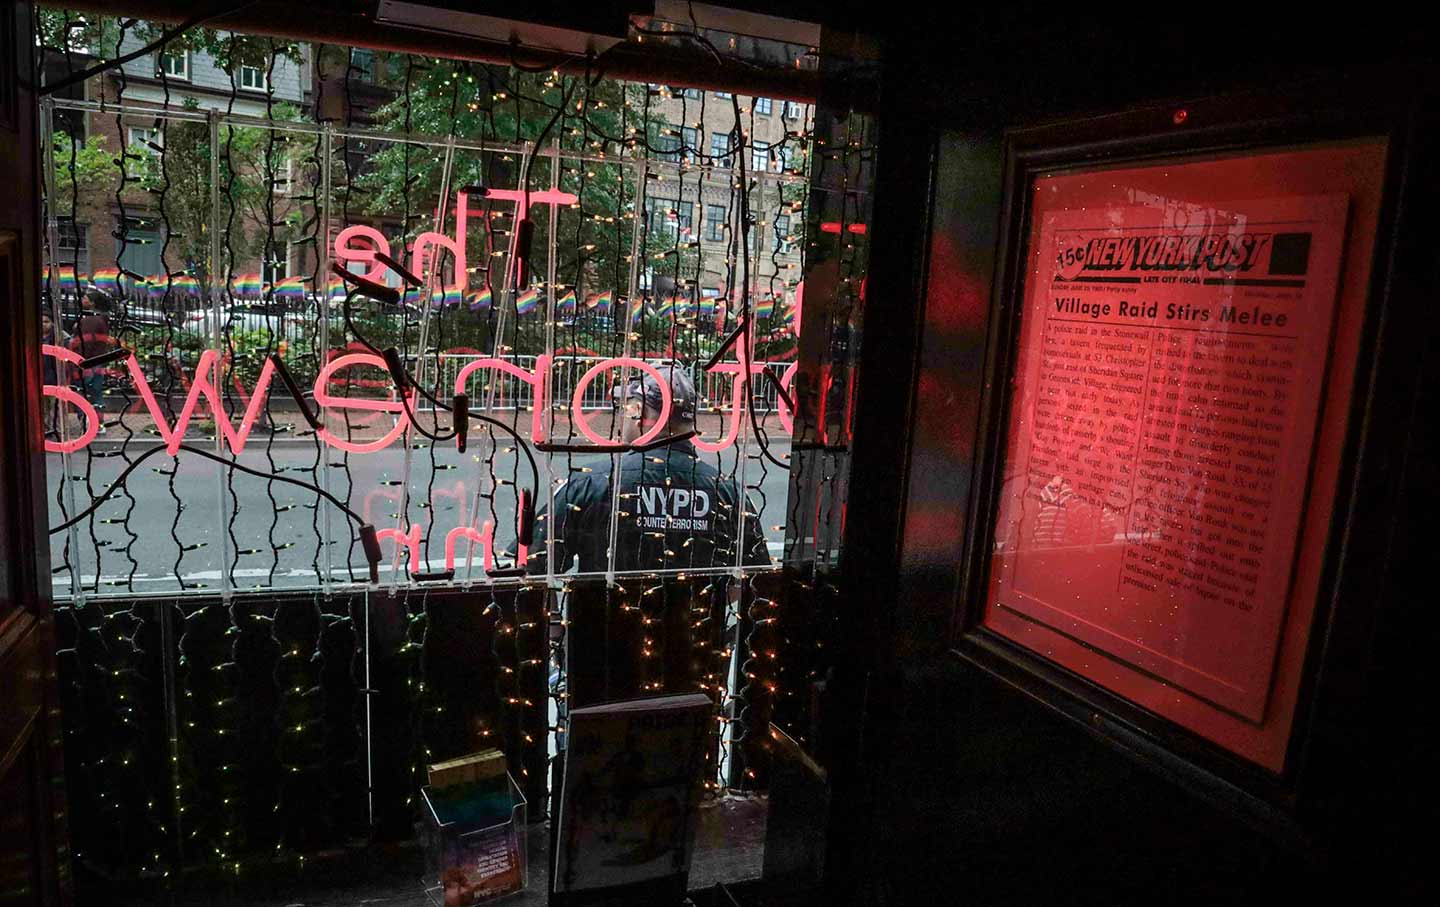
{"x": 583, "y": 485}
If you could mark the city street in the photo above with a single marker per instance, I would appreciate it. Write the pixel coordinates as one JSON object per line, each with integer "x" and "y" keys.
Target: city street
{"x": 177, "y": 515}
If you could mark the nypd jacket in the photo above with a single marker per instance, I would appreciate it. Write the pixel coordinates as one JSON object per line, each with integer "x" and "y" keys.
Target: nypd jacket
{"x": 676, "y": 511}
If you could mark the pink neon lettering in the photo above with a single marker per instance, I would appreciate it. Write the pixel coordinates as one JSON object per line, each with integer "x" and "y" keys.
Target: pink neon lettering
{"x": 430, "y": 239}
{"x": 410, "y": 540}
{"x": 203, "y": 386}
{"x": 485, "y": 537}
{"x": 582, "y": 422}
{"x": 326, "y": 399}
{"x": 536, "y": 380}
{"x": 787, "y": 380}
{"x": 69, "y": 395}
{"x": 346, "y": 253}
{"x": 390, "y": 494}
{"x": 737, "y": 409}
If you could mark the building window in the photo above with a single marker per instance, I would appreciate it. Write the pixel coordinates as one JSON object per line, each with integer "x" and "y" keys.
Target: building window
{"x": 362, "y": 64}
{"x": 760, "y": 156}
{"x": 723, "y": 95}
{"x": 78, "y": 39}
{"x": 691, "y": 138}
{"x": 720, "y": 149}
{"x": 692, "y": 94}
{"x": 137, "y": 246}
{"x": 175, "y": 65}
{"x": 74, "y": 245}
{"x": 253, "y": 78}
{"x": 715, "y": 222}
{"x": 762, "y": 106}
{"x": 782, "y": 233}
{"x": 146, "y": 139}
{"x": 787, "y": 156}
{"x": 670, "y": 217}
{"x": 666, "y": 144}
{"x": 792, "y": 111}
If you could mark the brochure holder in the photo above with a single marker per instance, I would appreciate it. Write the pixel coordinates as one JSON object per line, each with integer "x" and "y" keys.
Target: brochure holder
{"x": 474, "y": 846}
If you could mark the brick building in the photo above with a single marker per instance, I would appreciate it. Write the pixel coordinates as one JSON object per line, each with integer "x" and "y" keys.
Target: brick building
{"x": 117, "y": 207}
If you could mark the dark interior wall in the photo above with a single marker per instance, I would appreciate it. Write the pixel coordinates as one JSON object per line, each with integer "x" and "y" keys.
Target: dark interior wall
{"x": 969, "y": 787}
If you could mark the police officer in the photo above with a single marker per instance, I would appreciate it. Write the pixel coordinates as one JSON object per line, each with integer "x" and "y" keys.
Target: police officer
{"x": 676, "y": 511}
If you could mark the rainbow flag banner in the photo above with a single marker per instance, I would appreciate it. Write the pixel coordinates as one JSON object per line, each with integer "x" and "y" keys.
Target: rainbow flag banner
{"x": 637, "y": 311}
{"x": 248, "y": 286}
{"x": 665, "y": 309}
{"x": 763, "y": 308}
{"x": 565, "y": 307}
{"x": 66, "y": 275}
{"x": 290, "y": 288}
{"x": 186, "y": 284}
{"x": 601, "y": 303}
{"x": 335, "y": 288}
{"x": 411, "y": 298}
{"x": 525, "y": 302}
{"x": 107, "y": 280}
{"x": 157, "y": 285}
{"x": 450, "y": 296}
{"x": 481, "y": 301}
{"x": 707, "y": 306}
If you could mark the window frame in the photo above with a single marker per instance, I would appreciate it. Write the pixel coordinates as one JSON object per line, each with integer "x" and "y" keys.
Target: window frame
{"x": 148, "y": 134}
{"x": 183, "y": 56}
{"x": 367, "y": 74}
{"x": 260, "y": 70}
{"x": 781, "y": 244}
{"x": 761, "y": 148}
{"x": 722, "y": 157}
{"x": 715, "y": 227}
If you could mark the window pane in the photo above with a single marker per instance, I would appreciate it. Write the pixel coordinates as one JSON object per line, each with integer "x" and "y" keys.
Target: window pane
{"x": 176, "y": 66}
{"x": 720, "y": 149}
{"x": 715, "y": 222}
{"x": 362, "y": 64}
{"x": 762, "y": 106}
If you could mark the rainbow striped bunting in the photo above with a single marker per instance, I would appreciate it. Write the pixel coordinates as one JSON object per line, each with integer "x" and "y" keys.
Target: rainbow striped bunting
{"x": 107, "y": 279}
{"x": 450, "y": 296}
{"x": 525, "y": 302}
{"x": 290, "y": 288}
{"x": 248, "y": 286}
{"x": 601, "y": 303}
{"x": 185, "y": 284}
{"x": 481, "y": 301}
{"x": 565, "y": 307}
{"x": 66, "y": 275}
{"x": 335, "y": 288}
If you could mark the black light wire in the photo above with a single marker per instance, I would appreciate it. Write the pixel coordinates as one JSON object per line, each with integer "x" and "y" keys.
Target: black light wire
{"x": 209, "y": 455}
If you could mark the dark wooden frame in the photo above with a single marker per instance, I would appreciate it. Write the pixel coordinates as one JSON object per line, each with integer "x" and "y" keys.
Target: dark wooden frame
{"x": 1378, "y": 420}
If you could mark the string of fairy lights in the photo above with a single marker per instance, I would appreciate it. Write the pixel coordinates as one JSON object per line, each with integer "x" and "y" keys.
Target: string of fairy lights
{"x": 267, "y": 717}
